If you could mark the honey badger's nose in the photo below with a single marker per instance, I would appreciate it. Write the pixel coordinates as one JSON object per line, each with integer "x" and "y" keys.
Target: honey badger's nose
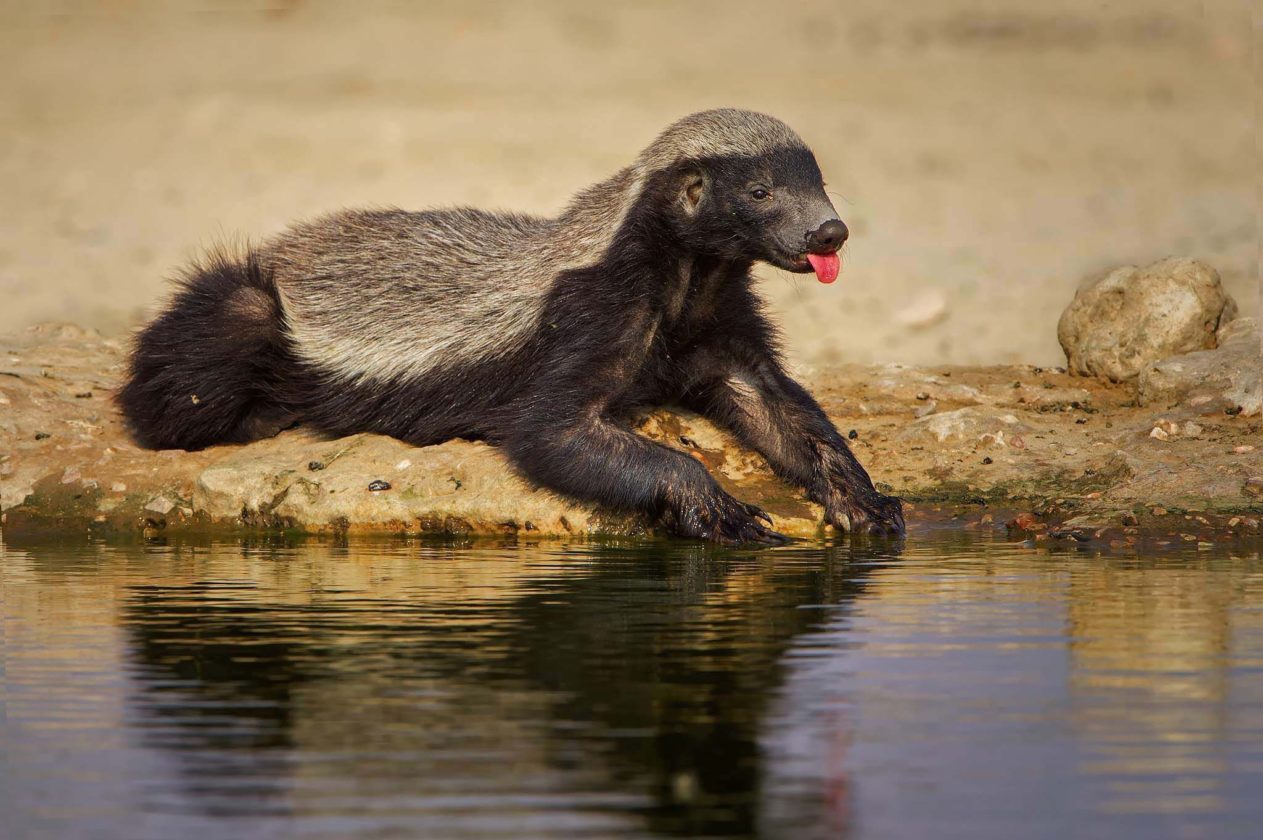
{"x": 828, "y": 237}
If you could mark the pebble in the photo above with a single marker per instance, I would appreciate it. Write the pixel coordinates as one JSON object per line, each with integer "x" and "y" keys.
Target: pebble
{"x": 315, "y": 466}
{"x": 1130, "y": 519}
{"x": 1191, "y": 429}
{"x": 853, "y": 434}
{"x": 1024, "y": 521}
{"x": 1254, "y": 486}
{"x": 987, "y": 460}
{"x": 377, "y": 485}
{"x": 1158, "y": 511}
{"x": 118, "y": 487}
{"x": 70, "y": 475}
{"x": 1165, "y": 429}
{"x": 160, "y": 504}
{"x": 1241, "y": 450}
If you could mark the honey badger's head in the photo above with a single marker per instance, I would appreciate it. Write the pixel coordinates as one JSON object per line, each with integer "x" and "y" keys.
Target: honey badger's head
{"x": 747, "y": 188}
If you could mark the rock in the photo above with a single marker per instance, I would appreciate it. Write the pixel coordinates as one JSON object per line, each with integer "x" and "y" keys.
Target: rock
{"x": 1253, "y": 486}
{"x": 925, "y": 310}
{"x": 970, "y": 424}
{"x": 1229, "y": 377}
{"x": 1022, "y": 522}
{"x": 160, "y": 505}
{"x": 1133, "y": 317}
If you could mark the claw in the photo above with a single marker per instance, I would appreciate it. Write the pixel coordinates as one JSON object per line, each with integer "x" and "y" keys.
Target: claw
{"x": 878, "y": 516}
{"x": 728, "y": 521}
{"x": 759, "y": 513}
{"x": 769, "y": 537}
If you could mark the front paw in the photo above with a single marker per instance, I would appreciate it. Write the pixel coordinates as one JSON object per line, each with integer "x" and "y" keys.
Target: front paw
{"x": 718, "y": 517}
{"x": 866, "y": 513}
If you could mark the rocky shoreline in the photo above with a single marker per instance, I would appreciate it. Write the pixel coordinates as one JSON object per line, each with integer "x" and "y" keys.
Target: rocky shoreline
{"x": 1050, "y": 455}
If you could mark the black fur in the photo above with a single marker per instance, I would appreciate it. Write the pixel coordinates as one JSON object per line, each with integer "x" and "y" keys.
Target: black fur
{"x": 665, "y": 315}
{"x": 205, "y": 370}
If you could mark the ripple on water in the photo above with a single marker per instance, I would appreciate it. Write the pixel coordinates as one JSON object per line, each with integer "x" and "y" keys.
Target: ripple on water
{"x": 950, "y": 686}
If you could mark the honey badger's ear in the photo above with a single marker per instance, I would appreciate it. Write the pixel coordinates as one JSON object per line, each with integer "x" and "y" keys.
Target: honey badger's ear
{"x": 694, "y": 186}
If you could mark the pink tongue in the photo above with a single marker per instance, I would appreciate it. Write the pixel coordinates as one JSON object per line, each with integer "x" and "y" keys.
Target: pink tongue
{"x": 826, "y": 266}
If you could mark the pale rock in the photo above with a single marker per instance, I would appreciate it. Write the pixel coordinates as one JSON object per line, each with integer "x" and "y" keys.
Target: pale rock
{"x": 1227, "y": 377}
{"x": 925, "y": 310}
{"x": 1133, "y": 317}
{"x": 963, "y": 424}
{"x": 160, "y": 505}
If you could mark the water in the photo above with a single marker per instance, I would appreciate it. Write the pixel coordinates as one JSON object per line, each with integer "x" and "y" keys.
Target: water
{"x": 962, "y": 687}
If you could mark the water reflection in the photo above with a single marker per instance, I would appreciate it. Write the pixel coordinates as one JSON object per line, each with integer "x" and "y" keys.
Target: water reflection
{"x": 467, "y": 673}
{"x": 963, "y": 688}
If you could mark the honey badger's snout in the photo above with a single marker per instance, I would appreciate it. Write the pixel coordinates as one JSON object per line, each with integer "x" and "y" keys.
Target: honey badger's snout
{"x": 828, "y": 237}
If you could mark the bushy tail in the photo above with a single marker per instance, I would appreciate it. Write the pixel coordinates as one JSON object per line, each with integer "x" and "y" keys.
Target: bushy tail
{"x": 201, "y": 371}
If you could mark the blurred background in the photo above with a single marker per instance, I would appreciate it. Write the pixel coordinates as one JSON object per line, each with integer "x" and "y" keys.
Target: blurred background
{"x": 987, "y": 156}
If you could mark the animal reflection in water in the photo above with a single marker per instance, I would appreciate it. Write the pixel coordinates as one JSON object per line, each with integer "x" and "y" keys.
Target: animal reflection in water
{"x": 646, "y": 676}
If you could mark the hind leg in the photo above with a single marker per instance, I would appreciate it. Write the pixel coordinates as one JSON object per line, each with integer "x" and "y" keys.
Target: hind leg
{"x": 202, "y": 372}
{"x": 266, "y": 421}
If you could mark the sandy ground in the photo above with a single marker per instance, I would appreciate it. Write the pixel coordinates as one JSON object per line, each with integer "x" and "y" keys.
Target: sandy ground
{"x": 1079, "y": 452}
{"x": 987, "y": 156}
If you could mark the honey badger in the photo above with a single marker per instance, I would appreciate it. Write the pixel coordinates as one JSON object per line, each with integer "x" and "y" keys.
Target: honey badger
{"x": 539, "y": 335}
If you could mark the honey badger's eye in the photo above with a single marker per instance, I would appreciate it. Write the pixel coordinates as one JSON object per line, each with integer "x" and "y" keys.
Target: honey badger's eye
{"x": 760, "y": 194}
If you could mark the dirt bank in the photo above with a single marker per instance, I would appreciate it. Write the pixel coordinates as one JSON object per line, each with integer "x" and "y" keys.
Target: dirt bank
{"x": 984, "y": 443}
